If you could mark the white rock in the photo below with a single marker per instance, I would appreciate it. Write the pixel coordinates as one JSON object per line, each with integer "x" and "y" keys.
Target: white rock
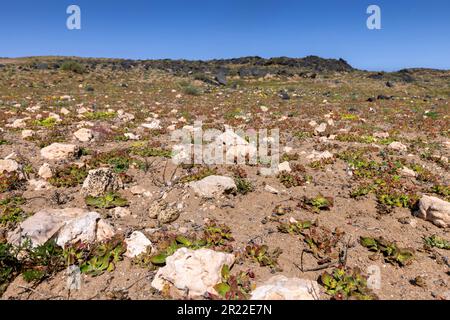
{"x": 8, "y": 165}
{"x": 27, "y": 134}
{"x": 137, "y": 243}
{"x": 105, "y": 231}
{"x": 137, "y": 189}
{"x": 132, "y": 136}
{"x": 282, "y": 288}
{"x": 271, "y": 189}
{"x": 154, "y": 125}
{"x": 312, "y": 123}
{"x": 45, "y": 171}
{"x": 316, "y": 155}
{"x": 264, "y": 109}
{"x": 212, "y": 185}
{"x": 43, "y": 225}
{"x": 408, "y": 172}
{"x": 65, "y": 111}
{"x": 19, "y": 123}
{"x": 320, "y": 128}
{"x": 193, "y": 271}
{"x": 435, "y": 210}
{"x": 120, "y": 212}
{"x": 84, "y": 135}
{"x": 59, "y": 151}
{"x": 381, "y": 135}
{"x": 100, "y": 181}
{"x": 397, "y": 146}
{"x": 82, "y": 228}
{"x": 39, "y": 184}
{"x": 284, "y": 166}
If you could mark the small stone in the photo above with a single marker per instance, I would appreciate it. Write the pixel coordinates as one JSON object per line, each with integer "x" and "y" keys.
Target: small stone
{"x": 398, "y": 146}
{"x": 137, "y": 243}
{"x": 84, "y": 135}
{"x": 282, "y": 288}
{"x": 27, "y": 134}
{"x": 120, "y": 212}
{"x": 100, "y": 181}
{"x": 45, "y": 171}
{"x": 59, "y": 151}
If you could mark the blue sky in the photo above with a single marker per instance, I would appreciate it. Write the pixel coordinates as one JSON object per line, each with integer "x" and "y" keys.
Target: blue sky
{"x": 414, "y": 33}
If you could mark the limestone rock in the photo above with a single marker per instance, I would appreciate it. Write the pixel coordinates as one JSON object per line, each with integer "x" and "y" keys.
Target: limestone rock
{"x": 194, "y": 272}
{"x": 282, "y": 288}
{"x": 59, "y": 151}
{"x": 100, "y": 181}
{"x": 212, "y": 185}
{"x": 435, "y": 210}
{"x": 84, "y": 135}
{"x": 137, "y": 243}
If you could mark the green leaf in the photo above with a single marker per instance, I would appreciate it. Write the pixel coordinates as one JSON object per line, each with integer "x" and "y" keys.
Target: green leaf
{"x": 159, "y": 259}
{"x": 222, "y": 289}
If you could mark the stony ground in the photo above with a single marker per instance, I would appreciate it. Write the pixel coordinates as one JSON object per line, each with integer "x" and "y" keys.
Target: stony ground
{"x": 362, "y": 151}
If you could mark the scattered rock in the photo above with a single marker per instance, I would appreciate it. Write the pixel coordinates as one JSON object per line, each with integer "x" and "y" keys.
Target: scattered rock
{"x": 320, "y": 128}
{"x": 84, "y": 135}
{"x": 39, "y": 184}
{"x": 66, "y": 225}
{"x": 8, "y": 165}
{"x": 27, "y": 134}
{"x": 435, "y": 210}
{"x": 100, "y": 181}
{"x": 284, "y": 166}
{"x": 120, "y": 212}
{"x": 271, "y": 189}
{"x": 45, "y": 171}
{"x": 163, "y": 212}
{"x": 398, "y": 146}
{"x": 212, "y": 185}
{"x": 408, "y": 172}
{"x": 137, "y": 243}
{"x": 59, "y": 151}
{"x": 192, "y": 272}
{"x": 282, "y": 288}
{"x": 316, "y": 155}
{"x": 153, "y": 125}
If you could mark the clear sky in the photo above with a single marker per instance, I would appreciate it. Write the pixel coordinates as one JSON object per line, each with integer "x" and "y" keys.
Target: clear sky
{"x": 415, "y": 33}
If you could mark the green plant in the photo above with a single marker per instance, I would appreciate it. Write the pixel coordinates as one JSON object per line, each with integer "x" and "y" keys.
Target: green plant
{"x": 290, "y": 180}
{"x": 391, "y": 252}
{"x": 201, "y": 174}
{"x": 10, "y": 181}
{"x": 100, "y": 115}
{"x": 437, "y": 242}
{"x": 9, "y": 265}
{"x": 47, "y": 122}
{"x": 316, "y": 204}
{"x": 148, "y": 151}
{"x": 243, "y": 186}
{"x": 10, "y": 210}
{"x": 234, "y": 287}
{"x": 68, "y": 176}
{"x": 323, "y": 243}
{"x": 42, "y": 262}
{"x": 442, "y": 190}
{"x": 104, "y": 257}
{"x": 346, "y": 284}
{"x": 262, "y": 255}
{"x": 73, "y": 66}
{"x": 107, "y": 201}
{"x": 214, "y": 236}
{"x": 296, "y": 228}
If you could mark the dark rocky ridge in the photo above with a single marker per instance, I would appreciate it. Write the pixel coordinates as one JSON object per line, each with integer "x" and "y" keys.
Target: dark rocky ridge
{"x": 245, "y": 67}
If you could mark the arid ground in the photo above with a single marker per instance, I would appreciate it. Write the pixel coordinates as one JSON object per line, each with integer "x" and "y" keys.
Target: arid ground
{"x": 359, "y": 149}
